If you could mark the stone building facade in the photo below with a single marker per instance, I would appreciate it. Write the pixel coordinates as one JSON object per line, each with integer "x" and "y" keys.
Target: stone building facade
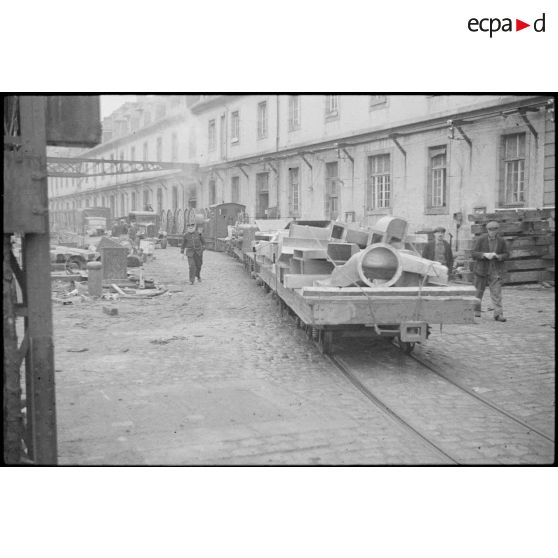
{"x": 157, "y": 129}
{"x": 431, "y": 159}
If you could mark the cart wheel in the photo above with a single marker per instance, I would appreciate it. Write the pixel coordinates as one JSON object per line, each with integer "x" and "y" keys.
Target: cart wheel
{"x": 73, "y": 265}
{"x": 406, "y": 346}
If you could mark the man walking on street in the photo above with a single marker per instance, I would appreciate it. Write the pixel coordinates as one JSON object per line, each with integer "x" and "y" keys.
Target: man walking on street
{"x": 194, "y": 245}
{"x": 489, "y": 253}
{"x": 439, "y": 250}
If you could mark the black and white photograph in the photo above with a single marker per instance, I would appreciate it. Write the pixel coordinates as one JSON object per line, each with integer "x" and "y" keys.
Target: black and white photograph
{"x": 279, "y": 279}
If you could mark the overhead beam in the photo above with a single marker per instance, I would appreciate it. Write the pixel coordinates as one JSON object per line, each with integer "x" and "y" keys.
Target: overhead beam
{"x": 73, "y": 167}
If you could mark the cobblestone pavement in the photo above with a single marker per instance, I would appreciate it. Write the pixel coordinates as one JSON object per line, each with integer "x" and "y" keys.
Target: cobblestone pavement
{"x": 213, "y": 374}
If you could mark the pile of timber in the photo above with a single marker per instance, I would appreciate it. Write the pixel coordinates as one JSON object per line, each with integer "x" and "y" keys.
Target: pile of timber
{"x": 529, "y": 234}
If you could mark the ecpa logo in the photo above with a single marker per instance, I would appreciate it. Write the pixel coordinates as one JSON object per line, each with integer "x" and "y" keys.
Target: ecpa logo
{"x": 494, "y": 24}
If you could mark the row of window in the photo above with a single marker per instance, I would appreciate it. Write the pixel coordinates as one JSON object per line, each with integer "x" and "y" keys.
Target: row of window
{"x": 379, "y": 181}
{"x": 331, "y": 111}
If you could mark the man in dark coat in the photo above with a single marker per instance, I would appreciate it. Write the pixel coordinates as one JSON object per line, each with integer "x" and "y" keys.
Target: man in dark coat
{"x": 194, "y": 245}
{"x": 489, "y": 253}
{"x": 439, "y": 250}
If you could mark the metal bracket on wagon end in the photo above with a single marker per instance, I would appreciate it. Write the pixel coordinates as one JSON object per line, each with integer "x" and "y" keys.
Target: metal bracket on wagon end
{"x": 413, "y": 332}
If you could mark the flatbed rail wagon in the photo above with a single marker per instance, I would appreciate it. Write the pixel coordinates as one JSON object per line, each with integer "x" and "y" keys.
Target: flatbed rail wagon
{"x": 401, "y": 313}
{"x": 332, "y": 301}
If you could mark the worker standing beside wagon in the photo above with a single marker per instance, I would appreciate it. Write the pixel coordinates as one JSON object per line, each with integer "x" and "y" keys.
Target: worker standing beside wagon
{"x": 489, "y": 254}
{"x": 439, "y": 250}
{"x": 193, "y": 244}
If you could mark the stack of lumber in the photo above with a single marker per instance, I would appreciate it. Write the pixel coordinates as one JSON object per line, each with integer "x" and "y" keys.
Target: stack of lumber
{"x": 529, "y": 234}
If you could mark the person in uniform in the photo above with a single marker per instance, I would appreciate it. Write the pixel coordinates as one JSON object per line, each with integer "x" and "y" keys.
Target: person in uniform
{"x": 193, "y": 244}
{"x": 439, "y": 250}
{"x": 489, "y": 253}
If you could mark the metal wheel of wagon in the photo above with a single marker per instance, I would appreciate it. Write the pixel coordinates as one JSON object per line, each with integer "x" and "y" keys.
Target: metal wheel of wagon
{"x": 405, "y": 346}
{"x": 74, "y": 265}
{"x": 180, "y": 221}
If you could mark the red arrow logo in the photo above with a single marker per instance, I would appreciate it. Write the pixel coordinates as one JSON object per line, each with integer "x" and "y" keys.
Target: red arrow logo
{"x": 519, "y": 25}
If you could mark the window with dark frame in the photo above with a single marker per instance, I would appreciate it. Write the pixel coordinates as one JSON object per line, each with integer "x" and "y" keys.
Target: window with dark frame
{"x": 514, "y": 168}
{"x": 332, "y": 191}
{"x": 437, "y": 177}
{"x": 262, "y": 195}
{"x": 332, "y": 105}
{"x": 145, "y": 151}
{"x": 235, "y": 127}
{"x": 377, "y": 100}
{"x": 262, "y": 120}
{"x": 294, "y": 192}
{"x": 212, "y": 192}
{"x": 294, "y": 112}
{"x": 174, "y": 147}
{"x": 211, "y": 135}
{"x": 379, "y": 182}
{"x": 235, "y": 189}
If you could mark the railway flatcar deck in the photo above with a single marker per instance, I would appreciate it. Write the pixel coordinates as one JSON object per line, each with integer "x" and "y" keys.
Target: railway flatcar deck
{"x": 403, "y": 313}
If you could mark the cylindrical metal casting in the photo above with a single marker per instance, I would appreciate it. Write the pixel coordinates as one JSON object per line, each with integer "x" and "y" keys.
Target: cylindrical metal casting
{"x": 95, "y": 278}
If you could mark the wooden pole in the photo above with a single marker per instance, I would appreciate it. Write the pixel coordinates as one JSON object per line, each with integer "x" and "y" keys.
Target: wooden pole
{"x": 41, "y": 410}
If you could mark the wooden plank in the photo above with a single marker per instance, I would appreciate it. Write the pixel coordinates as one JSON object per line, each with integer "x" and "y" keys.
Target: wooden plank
{"x": 533, "y": 263}
{"x": 544, "y": 240}
{"x": 514, "y": 227}
{"x": 292, "y": 281}
{"x": 522, "y": 277}
{"x": 434, "y": 310}
{"x": 528, "y": 252}
{"x": 521, "y": 242}
{"x": 451, "y": 290}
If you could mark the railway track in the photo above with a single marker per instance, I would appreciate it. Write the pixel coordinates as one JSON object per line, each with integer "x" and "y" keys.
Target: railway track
{"x": 378, "y": 403}
{"x": 455, "y": 423}
{"x": 483, "y": 400}
{"x": 428, "y": 440}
